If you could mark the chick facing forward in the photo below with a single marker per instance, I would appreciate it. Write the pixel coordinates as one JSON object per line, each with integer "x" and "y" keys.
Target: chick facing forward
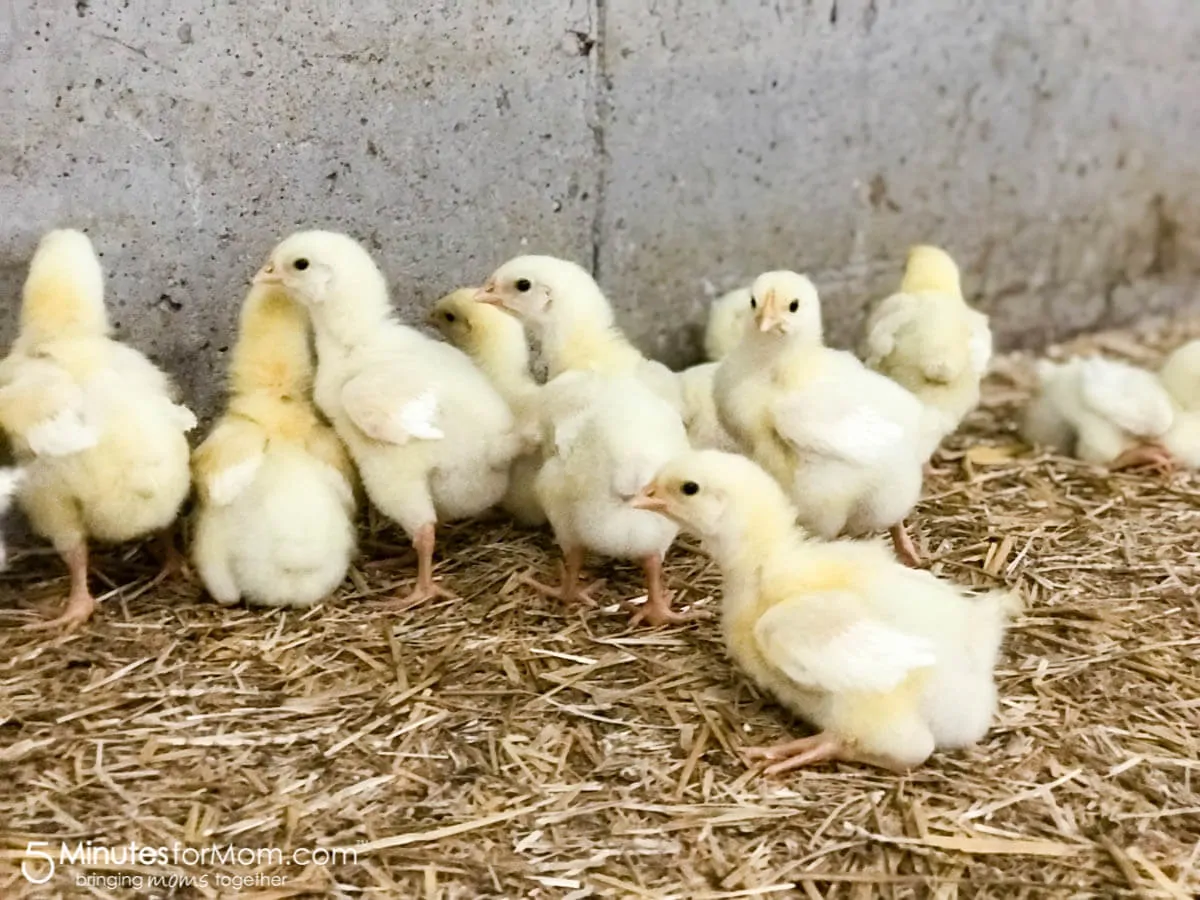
{"x": 93, "y": 422}
{"x": 928, "y": 340}
{"x": 497, "y": 343}
{"x": 275, "y": 523}
{"x": 845, "y": 442}
{"x": 1101, "y": 411}
{"x": 431, "y": 438}
{"x": 566, "y": 310}
{"x": 890, "y": 663}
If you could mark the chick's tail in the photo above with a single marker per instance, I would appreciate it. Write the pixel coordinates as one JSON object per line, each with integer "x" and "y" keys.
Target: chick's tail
{"x": 991, "y": 614}
{"x": 64, "y": 290}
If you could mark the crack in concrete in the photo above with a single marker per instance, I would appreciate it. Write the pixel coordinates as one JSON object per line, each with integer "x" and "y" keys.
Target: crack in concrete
{"x": 601, "y": 113}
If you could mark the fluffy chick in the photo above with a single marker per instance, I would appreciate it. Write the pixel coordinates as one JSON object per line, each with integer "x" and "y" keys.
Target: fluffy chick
{"x": 1180, "y": 375}
{"x": 846, "y": 443}
{"x": 727, "y": 318}
{"x": 497, "y": 343}
{"x": 431, "y": 437}
{"x": 700, "y": 417}
{"x": 889, "y": 662}
{"x": 605, "y": 437}
{"x": 927, "y": 339}
{"x": 566, "y": 310}
{"x": 276, "y": 517}
{"x": 1101, "y": 411}
{"x": 93, "y": 422}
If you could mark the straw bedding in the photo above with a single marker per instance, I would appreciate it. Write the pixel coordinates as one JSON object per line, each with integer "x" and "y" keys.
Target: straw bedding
{"x": 505, "y": 745}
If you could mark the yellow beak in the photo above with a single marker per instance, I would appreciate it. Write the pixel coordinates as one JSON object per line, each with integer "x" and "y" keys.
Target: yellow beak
{"x": 268, "y": 275}
{"x": 649, "y": 499}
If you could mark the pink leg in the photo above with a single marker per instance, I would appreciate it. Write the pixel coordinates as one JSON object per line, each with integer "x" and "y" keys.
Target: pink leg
{"x": 174, "y": 564}
{"x": 80, "y": 602}
{"x": 426, "y": 588}
{"x": 906, "y": 550}
{"x": 657, "y": 610}
{"x": 1153, "y": 456}
{"x": 823, "y": 747}
{"x": 569, "y": 590}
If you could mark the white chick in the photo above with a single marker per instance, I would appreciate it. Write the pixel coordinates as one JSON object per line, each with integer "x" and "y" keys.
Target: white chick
{"x": 727, "y": 318}
{"x": 889, "y": 662}
{"x": 431, "y": 437}
{"x": 275, "y": 522}
{"x": 93, "y": 422}
{"x": 1180, "y": 375}
{"x": 498, "y": 345}
{"x": 1101, "y": 411}
{"x": 565, "y": 309}
{"x": 605, "y": 438}
{"x": 700, "y": 417}
{"x": 846, "y": 443}
{"x": 928, "y": 340}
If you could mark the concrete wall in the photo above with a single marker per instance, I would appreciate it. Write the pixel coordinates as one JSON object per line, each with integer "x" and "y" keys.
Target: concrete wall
{"x": 678, "y": 147}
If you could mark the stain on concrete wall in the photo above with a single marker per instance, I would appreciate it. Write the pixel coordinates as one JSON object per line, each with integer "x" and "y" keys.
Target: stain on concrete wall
{"x": 678, "y": 148}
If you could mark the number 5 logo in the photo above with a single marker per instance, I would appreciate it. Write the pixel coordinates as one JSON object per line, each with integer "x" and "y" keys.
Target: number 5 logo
{"x": 31, "y": 851}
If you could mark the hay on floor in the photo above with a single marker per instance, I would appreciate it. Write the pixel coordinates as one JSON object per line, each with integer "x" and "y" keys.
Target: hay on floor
{"x": 508, "y": 746}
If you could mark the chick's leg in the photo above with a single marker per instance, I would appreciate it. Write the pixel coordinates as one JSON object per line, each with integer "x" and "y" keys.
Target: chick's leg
{"x": 569, "y": 589}
{"x": 80, "y": 602}
{"x": 173, "y": 563}
{"x": 657, "y": 610}
{"x": 906, "y": 549}
{"x": 823, "y": 747}
{"x": 1153, "y": 456}
{"x": 426, "y": 588}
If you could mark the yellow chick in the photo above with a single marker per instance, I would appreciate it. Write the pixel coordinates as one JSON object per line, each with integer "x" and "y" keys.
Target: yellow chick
{"x": 276, "y": 517}
{"x": 727, "y": 320}
{"x": 1180, "y": 375}
{"x": 927, "y": 339}
{"x": 605, "y": 437}
{"x": 889, "y": 662}
{"x": 93, "y": 422}
{"x": 1101, "y": 411}
{"x": 431, "y": 438}
{"x": 565, "y": 309}
{"x": 496, "y": 342}
{"x": 846, "y": 443}
{"x": 700, "y": 417}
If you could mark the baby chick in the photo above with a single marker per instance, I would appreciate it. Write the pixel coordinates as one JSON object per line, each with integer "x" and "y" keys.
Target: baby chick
{"x": 890, "y": 662}
{"x": 927, "y": 339}
{"x": 276, "y": 516}
{"x": 845, "y": 442}
{"x": 496, "y": 342}
{"x": 700, "y": 417}
{"x": 605, "y": 437}
{"x": 93, "y": 422}
{"x": 1101, "y": 411}
{"x": 431, "y": 437}
{"x": 1180, "y": 375}
{"x": 727, "y": 318}
{"x": 566, "y": 310}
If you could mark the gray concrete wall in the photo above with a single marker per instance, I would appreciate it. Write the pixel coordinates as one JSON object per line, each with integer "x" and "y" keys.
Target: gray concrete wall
{"x": 678, "y": 147}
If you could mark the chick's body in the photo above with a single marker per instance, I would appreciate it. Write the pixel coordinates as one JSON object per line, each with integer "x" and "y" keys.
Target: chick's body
{"x": 275, "y": 523}
{"x": 890, "y": 662}
{"x": 431, "y": 437}
{"x": 1180, "y": 375}
{"x": 700, "y": 417}
{"x": 94, "y": 422}
{"x": 845, "y": 442}
{"x": 929, "y": 341}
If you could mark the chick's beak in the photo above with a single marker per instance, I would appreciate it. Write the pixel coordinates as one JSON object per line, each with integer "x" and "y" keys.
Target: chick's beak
{"x": 268, "y": 275}
{"x": 769, "y": 318}
{"x": 650, "y": 499}
{"x": 488, "y": 294}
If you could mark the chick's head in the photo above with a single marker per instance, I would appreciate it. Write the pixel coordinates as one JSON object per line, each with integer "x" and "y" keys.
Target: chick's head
{"x": 475, "y": 328}
{"x": 931, "y": 269}
{"x": 538, "y": 289}
{"x": 1180, "y": 375}
{"x": 315, "y": 267}
{"x": 786, "y": 303}
{"x": 714, "y": 494}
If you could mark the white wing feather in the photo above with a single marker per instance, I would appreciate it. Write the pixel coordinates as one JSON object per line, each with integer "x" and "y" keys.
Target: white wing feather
{"x": 821, "y": 422}
{"x": 864, "y": 655}
{"x": 1132, "y": 399}
{"x": 184, "y": 418}
{"x": 889, "y": 317}
{"x": 371, "y": 402}
{"x": 419, "y": 417}
{"x": 65, "y": 433}
{"x": 227, "y": 485}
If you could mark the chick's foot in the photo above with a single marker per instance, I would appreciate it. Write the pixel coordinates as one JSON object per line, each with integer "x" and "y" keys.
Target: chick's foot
{"x": 1150, "y": 456}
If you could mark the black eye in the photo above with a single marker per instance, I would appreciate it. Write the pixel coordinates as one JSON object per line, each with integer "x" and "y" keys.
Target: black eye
{"x": 300, "y": 265}
{"x": 690, "y": 488}
{"x": 753, "y": 303}
{"x": 523, "y": 284}
{"x": 450, "y": 317}
{"x": 795, "y": 305}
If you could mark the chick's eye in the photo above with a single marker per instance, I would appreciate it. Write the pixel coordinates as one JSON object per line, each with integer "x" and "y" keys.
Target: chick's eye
{"x": 690, "y": 488}
{"x": 753, "y": 303}
{"x": 795, "y": 305}
{"x": 523, "y": 284}
{"x": 450, "y": 317}
{"x": 300, "y": 265}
